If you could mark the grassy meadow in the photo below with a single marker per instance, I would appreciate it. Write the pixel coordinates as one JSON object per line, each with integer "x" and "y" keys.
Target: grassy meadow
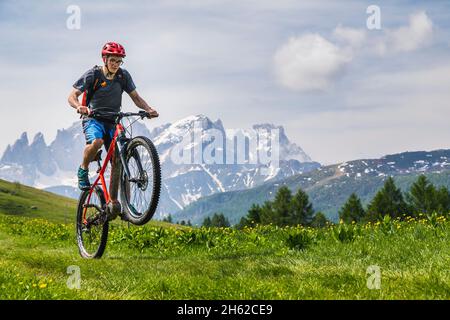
{"x": 390, "y": 259}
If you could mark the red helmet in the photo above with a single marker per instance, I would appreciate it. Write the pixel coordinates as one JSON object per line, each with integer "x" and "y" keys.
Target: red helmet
{"x": 113, "y": 48}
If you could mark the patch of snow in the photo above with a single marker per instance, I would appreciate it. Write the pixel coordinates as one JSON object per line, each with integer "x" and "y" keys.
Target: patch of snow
{"x": 59, "y": 178}
{"x": 424, "y": 168}
{"x": 170, "y": 197}
{"x": 188, "y": 197}
{"x": 273, "y": 172}
{"x": 214, "y": 177}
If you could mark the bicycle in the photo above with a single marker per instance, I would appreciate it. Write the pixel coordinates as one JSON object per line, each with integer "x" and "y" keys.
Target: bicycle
{"x": 134, "y": 157}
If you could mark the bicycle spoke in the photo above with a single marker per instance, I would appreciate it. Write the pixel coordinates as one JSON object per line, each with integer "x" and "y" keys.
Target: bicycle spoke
{"x": 91, "y": 233}
{"x": 141, "y": 191}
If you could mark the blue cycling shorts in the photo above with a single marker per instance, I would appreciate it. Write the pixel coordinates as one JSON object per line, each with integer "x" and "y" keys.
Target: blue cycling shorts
{"x": 94, "y": 129}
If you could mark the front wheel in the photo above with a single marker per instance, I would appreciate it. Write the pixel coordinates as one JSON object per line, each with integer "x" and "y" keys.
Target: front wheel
{"x": 92, "y": 224}
{"x": 140, "y": 191}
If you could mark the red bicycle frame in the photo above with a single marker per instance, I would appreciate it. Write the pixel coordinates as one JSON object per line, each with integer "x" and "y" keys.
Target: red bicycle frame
{"x": 101, "y": 178}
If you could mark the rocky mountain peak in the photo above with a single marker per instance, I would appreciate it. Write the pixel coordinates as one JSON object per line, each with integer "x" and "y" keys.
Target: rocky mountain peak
{"x": 18, "y": 151}
{"x": 38, "y": 140}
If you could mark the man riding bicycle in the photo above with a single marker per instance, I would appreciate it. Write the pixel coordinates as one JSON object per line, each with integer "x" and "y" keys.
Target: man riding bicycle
{"x": 103, "y": 88}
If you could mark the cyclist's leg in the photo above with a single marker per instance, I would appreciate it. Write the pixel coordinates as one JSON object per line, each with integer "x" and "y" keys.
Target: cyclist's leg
{"x": 93, "y": 131}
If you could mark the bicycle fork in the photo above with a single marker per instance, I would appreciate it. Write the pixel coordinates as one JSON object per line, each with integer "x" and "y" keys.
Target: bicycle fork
{"x": 121, "y": 145}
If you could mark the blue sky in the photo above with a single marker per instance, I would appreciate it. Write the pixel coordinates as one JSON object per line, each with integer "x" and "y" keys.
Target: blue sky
{"x": 341, "y": 91}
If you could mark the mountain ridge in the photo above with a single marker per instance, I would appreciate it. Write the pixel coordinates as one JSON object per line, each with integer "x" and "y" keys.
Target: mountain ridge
{"x": 53, "y": 166}
{"x": 330, "y": 186}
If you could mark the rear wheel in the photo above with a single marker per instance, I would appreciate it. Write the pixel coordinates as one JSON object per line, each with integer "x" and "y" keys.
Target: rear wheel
{"x": 92, "y": 225}
{"x": 140, "y": 192}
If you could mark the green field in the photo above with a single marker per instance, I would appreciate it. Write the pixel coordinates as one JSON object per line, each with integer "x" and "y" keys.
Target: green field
{"x": 163, "y": 261}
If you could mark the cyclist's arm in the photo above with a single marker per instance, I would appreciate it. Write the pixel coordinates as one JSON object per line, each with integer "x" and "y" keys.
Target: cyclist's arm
{"x": 73, "y": 98}
{"x": 139, "y": 102}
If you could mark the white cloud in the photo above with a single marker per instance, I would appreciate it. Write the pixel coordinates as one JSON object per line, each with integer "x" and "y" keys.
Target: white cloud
{"x": 417, "y": 34}
{"x": 386, "y": 113}
{"x": 351, "y": 36}
{"x": 309, "y": 62}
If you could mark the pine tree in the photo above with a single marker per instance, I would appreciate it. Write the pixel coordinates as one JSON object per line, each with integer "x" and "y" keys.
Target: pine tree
{"x": 319, "y": 220}
{"x": 207, "y": 222}
{"x": 422, "y": 197}
{"x": 254, "y": 214}
{"x": 253, "y": 217}
{"x": 443, "y": 200}
{"x": 282, "y": 207}
{"x": 267, "y": 213}
{"x": 352, "y": 210}
{"x": 219, "y": 220}
{"x": 387, "y": 201}
{"x": 242, "y": 223}
{"x": 301, "y": 210}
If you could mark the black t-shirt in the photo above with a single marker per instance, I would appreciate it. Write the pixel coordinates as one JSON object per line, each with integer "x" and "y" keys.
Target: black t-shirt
{"x": 107, "y": 97}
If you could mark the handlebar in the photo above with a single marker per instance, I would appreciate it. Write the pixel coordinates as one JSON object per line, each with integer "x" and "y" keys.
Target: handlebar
{"x": 117, "y": 116}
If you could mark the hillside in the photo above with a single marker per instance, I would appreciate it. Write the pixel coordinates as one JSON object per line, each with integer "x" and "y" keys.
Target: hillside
{"x": 330, "y": 186}
{"x": 19, "y": 200}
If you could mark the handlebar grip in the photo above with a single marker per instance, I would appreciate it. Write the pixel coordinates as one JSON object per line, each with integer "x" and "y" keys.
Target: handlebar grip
{"x": 144, "y": 114}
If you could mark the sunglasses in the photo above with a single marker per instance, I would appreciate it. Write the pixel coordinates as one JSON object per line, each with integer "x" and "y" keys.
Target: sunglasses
{"x": 116, "y": 61}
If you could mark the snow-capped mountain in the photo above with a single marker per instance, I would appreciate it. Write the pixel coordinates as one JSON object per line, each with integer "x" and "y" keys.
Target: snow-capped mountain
{"x": 198, "y": 157}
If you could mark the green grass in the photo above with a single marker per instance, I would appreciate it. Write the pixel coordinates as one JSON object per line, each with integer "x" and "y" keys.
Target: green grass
{"x": 161, "y": 261}
{"x": 169, "y": 263}
{"x": 19, "y": 200}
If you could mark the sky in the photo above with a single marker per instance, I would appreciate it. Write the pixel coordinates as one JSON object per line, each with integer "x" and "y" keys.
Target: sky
{"x": 344, "y": 82}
